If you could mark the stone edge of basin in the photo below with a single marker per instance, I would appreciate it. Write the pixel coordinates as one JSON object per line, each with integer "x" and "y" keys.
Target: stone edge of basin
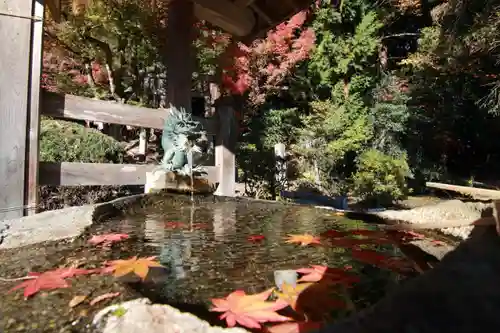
{"x": 141, "y": 315}
{"x": 53, "y": 225}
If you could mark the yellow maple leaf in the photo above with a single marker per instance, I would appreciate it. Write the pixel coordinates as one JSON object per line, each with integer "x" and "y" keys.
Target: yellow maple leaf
{"x": 312, "y": 299}
{"x": 304, "y": 239}
{"x": 138, "y": 266}
{"x": 291, "y": 293}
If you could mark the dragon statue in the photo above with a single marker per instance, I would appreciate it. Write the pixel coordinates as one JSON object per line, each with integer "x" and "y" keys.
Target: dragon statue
{"x": 184, "y": 143}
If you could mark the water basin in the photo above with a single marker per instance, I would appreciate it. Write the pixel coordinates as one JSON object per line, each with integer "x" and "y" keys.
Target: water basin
{"x": 209, "y": 248}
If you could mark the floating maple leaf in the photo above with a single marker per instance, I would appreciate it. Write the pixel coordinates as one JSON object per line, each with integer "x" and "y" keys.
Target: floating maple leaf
{"x": 249, "y": 310}
{"x": 438, "y": 242}
{"x": 107, "y": 239}
{"x": 303, "y": 240}
{"x": 368, "y": 256}
{"x": 138, "y": 266}
{"x": 103, "y": 297}
{"x": 49, "y": 280}
{"x": 69, "y": 272}
{"x": 75, "y": 301}
{"x": 41, "y": 281}
{"x": 317, "y": 273}
{"x": 290, "y": 293}
{"x": 256, "y": 238}
{"x": 398, "y": 264}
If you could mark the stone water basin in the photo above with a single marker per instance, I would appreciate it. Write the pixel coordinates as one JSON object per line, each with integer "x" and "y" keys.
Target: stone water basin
{"x": 209, "y": 247}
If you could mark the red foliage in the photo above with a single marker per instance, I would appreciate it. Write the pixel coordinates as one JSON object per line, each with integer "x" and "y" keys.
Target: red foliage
{"x": 260, "y": 68}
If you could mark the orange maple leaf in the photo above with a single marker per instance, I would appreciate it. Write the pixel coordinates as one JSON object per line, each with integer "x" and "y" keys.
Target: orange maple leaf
{"x": 138, "y": 266}
{"x": 303, "y": 240}
{"x": 249, "y": 310}
{"x": 317, "y": 273}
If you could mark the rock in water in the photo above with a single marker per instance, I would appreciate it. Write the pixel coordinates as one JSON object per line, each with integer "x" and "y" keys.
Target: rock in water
{"x": 460, "y": 295}
{"x": 140, "y": 315}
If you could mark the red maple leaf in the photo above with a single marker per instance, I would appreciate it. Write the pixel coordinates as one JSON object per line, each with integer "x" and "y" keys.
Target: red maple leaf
{"x": 41, "y": 281}
{"x": 175, "y": 225}
{"x": 397, "y": 264}
{"x": 107, "y": 239}
{"x": 437, "y": 242}
{"x": 49, "y": 280}
{"x": 249, "y": 310}
{"x": 368, "y": 256}
{"x": 69, "y": 272}
{"x": 317, "y": 273}
{"x": 256, "y": 238}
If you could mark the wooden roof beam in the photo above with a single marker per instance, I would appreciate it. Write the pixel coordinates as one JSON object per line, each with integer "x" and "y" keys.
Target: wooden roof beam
{"x": 243, "y": 3}
{"x": 54, "y": 9}
{"x": 236, "y": 20}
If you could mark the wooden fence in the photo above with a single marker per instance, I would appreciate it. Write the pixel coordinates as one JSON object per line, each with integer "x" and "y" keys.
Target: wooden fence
{"x": 81, "y": 108}
{"x": 74, "y": 173}
{"x": 22, "y": 102}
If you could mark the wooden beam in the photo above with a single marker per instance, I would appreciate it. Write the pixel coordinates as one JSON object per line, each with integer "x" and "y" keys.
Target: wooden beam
{"x": 479, "y": 193}
{"x": 225, "y": 147}
{"x": 31, "y": 189}
{"x": 180, "y": 57}
{"x": 54, "y": 9}
{"x": 78, "y": 174}
{"x": 239, "y": 21}
{"x": 261, "y": 13}
{"x": 243, "y": 3}
{"x": 15, "y": 68}
{"x": 75, "y": 107}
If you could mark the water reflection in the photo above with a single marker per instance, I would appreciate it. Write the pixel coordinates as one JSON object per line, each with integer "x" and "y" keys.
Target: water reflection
{"x": 207, "y": 246}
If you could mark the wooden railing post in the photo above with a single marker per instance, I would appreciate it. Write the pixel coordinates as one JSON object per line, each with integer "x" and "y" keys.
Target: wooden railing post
{"x": 20, "y": 62}
{"x": 225, "y": 147}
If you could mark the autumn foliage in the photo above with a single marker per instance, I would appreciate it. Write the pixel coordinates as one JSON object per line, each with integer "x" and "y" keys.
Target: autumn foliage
{"x": 296, "y": 307}
{"x": 260, "y": 69}
{"x": 319, "y": 289}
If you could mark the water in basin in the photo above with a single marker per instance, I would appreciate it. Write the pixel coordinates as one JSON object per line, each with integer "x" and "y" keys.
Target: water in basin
{"x": 210, "y": 248}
